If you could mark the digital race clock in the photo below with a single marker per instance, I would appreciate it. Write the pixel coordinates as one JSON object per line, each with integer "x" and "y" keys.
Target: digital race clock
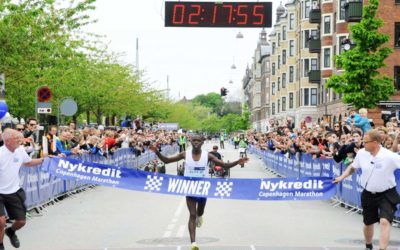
{"x": 218, "y": 14}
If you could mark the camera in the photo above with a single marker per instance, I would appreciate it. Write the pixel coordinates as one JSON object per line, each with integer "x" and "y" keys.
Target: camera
{"x": 352, "y": 116}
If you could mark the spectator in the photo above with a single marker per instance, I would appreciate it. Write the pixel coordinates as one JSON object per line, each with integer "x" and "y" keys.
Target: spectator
{"x": 363, "y": 122}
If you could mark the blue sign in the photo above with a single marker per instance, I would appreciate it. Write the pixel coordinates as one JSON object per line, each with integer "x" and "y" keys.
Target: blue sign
{"x": 312, "y": 188}
{"x": 3, "y": 109}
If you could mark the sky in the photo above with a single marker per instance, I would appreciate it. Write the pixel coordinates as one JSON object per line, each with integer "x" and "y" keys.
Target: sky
{"x": 195, "y": 60}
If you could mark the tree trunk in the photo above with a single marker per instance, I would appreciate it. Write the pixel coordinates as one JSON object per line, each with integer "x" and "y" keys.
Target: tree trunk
{"x": 88, "y": 117}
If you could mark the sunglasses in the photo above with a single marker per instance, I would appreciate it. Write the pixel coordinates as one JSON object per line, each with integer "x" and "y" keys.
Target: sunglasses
{"x": 19, "y": 129}
{"x": 30, "y": 124}
{"x": 336, "y": 126}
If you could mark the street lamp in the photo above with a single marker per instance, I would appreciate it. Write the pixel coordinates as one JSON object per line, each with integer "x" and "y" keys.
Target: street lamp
{"x": 239, "y": 35}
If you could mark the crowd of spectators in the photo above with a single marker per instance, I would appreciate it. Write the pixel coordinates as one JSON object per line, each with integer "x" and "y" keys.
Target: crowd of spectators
{"x": 69, "y": 140}
{"x": 340, "y": 142}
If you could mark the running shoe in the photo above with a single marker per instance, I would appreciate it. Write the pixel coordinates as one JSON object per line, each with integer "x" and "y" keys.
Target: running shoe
{"x": 194, "y": 247}
{"x": 13, "y": 237}
{"x": 199, "y": 221}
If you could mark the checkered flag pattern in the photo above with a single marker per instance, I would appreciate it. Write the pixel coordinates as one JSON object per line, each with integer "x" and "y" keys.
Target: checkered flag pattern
{"x": 153, "y": 183}
{"x": 224, "y": 189}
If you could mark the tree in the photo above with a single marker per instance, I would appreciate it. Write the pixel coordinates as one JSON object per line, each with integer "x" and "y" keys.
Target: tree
{"x": 211, "y": 100}
{"x": 360, "y": 83}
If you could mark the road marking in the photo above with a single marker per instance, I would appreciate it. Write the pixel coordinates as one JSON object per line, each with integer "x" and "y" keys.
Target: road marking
{"x": 181, "y": 231}
{"x": 326, "y": 248}
{"x": 180, "y": 207}
{"x": 175, "y": 218}
{"x": 252, "y": 247}
{"x": 179, "y": 248}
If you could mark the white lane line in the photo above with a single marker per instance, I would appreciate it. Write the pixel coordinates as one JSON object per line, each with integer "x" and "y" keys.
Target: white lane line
{"x": 181, "y": 231}
{"x": 180, "y": 207}
{"x": 171, "y": 225}
{"x": 326, "y": 248}
{"x": 252, "y": 247}
{"x": 179, "y": 248}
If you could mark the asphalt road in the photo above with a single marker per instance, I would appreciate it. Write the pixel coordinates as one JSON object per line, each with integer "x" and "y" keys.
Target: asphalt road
{"x": 110, "y": 219}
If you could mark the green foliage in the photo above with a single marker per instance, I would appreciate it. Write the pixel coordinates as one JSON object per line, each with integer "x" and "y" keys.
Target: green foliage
{"x": 43, "y": 44}
{"x": 211, "y": 100}
{"x": 361, "y": 83}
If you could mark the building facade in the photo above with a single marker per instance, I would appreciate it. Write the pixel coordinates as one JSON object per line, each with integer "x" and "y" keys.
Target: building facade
{"x": 306, "y": 36}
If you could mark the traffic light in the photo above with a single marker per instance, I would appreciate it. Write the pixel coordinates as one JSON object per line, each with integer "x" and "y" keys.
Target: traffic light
{"x": 224, "y": 91}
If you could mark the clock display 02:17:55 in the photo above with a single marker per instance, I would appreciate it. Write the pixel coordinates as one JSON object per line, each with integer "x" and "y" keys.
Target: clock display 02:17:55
{"x": 209, "y": 14}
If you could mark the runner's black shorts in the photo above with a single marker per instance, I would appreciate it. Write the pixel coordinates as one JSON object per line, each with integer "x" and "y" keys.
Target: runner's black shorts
{"x": 379, "y": 205}
{"x": 14, "y": 204}
{"x": 197, "y": 199}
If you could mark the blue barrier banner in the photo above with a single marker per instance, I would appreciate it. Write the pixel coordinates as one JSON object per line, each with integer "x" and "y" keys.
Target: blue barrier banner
{"x": 313, "y": 188}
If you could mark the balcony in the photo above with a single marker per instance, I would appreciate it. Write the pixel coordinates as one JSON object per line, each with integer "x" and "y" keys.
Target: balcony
{"x": 315, "y": 16}
{"x": 314, "y": 76}
{"x": 353, "y": 11}
{"x": 314, "y": 45}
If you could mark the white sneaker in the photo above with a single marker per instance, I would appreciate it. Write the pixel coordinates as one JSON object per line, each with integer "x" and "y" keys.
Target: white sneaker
{"x": 194, "y": 246}
{"x": 199, "y": 221}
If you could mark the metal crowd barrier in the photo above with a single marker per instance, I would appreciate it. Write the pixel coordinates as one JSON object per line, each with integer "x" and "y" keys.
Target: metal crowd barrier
{"x": 42, "y": 188}
{"x": 303, "y": 165}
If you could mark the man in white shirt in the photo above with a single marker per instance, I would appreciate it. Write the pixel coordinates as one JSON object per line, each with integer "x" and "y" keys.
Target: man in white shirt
{"x": 12, "y": 196}
{"x": 379, "y": 198}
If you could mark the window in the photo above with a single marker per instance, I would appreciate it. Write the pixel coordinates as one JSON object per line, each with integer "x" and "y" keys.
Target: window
{"x": 283, "y": 33}
{"x": 291, "y": 73}
{"x": 327, "y": 24}
{"x": 306, "y": 65}
{"x": 306, "y": 97}
{"x": 314, "y": 34}
{"x": 279, "y": 39}
{"x": 342, "y": 10}
{"x": 273, "y": 108}
{"x": 397, "y": 2}
{"x": 284, "y": 56}
{"x": 397, "y": 35}
{"x": 273, "y": 69}
{"x": 279, "y": 106}
{"x": 279, "y": 83}
{"x": 327, "y": 58}
{"x": 397, "y": 77}
{"x": 313, "y": 96}
{"x": 291, "y": 48}
{"x": 340, "y": 47}
{"x": 314, "y": 64}
{"x": 283, "y": 103}
{"x": 306, "y": 38}
{"x": 279, "y": 62}
{"x": 307, "y": 9}
{"x": 291, "y": 21}
{"x": 273, "y": 48}
{"x": 273, "y": 88}
{"x": 284, "y": 80}
{"x": 290, "y": 100}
